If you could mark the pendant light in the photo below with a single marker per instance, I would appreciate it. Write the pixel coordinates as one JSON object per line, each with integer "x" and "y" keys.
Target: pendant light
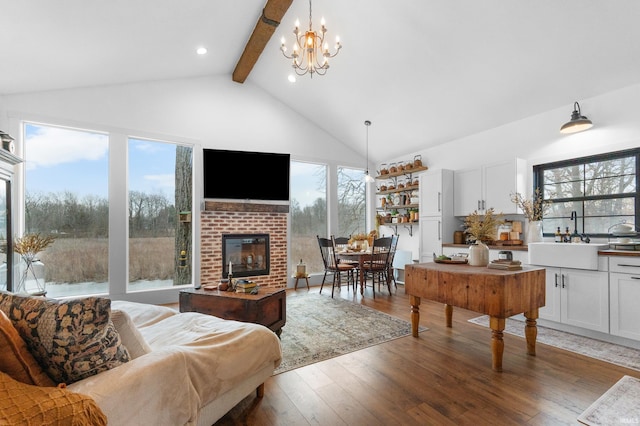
{"x": 367, "y": 177}
{"x": 577, "y": 123}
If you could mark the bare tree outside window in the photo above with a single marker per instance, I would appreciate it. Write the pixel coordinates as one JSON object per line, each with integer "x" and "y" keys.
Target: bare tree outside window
{"x": 602, "y": 190}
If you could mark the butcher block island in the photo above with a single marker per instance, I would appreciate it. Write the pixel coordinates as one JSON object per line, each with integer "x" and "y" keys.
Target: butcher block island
{"x": 497, "y": 293}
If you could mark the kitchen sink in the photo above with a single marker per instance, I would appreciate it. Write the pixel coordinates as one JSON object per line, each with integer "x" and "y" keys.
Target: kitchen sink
{"x": 566, "y": 255}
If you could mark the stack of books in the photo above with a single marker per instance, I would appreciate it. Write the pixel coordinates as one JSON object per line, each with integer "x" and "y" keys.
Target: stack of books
{"x": 245, "y": 286}
{"x": 506, "y": 265}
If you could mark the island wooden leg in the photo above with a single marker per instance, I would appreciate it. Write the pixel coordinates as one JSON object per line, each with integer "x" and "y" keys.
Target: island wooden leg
{"x": 448, "y": 315}
{"x": 415, "y": 314}
{"x": 531, "y": 330}
{"x": 497, "y": 344}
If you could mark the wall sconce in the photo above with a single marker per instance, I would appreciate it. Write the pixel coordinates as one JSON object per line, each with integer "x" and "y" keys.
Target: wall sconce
{"x": 577, "y": 123}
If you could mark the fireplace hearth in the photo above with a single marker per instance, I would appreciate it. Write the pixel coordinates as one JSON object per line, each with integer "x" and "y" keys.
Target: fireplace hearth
{"x": 248, "y": 254}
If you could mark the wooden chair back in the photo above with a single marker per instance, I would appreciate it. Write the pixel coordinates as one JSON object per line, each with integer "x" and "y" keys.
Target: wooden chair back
{"x": 328, "y": 253}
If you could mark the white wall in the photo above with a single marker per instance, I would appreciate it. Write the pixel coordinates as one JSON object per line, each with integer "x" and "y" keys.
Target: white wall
{"x": 537, "y": 139}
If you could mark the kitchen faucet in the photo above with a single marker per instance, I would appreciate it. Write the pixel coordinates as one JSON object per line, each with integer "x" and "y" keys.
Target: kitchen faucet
{"x": 574, "y": 218}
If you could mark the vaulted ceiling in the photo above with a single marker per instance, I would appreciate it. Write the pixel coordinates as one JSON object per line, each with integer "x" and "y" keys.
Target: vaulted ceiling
{"x": 424, "y": 72}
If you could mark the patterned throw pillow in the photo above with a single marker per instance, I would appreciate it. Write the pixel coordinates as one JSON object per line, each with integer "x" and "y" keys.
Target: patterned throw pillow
{"x": 70, "y": 339}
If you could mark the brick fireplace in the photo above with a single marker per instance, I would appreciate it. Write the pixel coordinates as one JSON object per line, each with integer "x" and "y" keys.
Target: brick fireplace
{"x": 219, "y": 218}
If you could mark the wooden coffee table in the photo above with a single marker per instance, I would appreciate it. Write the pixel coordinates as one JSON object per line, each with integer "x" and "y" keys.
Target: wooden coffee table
{"x": 268, "y": 307}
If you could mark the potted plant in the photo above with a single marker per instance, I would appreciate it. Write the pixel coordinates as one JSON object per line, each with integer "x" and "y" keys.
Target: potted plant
{"x": 534, "y": 210}
{"x": 481, "y": 228}
{"x": 28, "y": 247}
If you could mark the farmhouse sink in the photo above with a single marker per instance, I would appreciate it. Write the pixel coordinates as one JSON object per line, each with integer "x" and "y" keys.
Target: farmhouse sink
{"x": 566, "y": 255}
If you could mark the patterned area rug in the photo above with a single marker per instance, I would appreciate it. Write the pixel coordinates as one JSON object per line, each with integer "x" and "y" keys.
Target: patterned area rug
{"x": 604, "y": 351}
{"x": 319, "y": 327}
{"x": 619, "y": 405}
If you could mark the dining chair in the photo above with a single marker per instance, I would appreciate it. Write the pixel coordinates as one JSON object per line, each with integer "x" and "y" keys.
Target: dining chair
{"x": 377, "y": 266}
{"x": 332, "y": 265}
{"x": 392, "y": 255}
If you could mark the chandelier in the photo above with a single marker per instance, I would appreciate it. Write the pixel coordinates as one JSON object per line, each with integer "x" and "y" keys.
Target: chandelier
{"x": 310, "y": 52}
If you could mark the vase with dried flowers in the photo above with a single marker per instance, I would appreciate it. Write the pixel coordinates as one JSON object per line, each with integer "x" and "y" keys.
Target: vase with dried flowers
{"x": 28, "y": 247}
{"x": 534, "y": 210}
{"x": 481, "y": 228}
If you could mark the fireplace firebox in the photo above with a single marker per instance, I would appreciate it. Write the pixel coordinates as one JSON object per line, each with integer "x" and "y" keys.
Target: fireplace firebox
{"x": 248, "y": 254}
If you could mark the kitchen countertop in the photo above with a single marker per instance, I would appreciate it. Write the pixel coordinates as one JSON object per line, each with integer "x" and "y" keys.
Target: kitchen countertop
{"x": 622, "y": 253}
{"x": 491, "y": 247}
{"x": 627, "y": 253}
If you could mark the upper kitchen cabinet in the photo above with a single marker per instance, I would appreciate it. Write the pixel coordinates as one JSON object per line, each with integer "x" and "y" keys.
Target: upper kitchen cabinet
{"x": 489, "y": 186}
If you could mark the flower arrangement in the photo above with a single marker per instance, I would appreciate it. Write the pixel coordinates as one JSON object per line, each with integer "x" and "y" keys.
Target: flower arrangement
{"x": 535, "y": 208}
{"x": 358, "y": 237}
{"x": 31, "y": 244}
{"x": 28, "y": 247}
{"x": 482, "y": 227}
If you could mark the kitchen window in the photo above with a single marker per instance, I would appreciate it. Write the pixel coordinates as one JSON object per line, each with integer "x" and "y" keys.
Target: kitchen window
{"x": 601, "y": 189}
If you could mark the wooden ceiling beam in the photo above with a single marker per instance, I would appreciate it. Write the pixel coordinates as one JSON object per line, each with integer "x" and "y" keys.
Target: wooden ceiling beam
{"x": 272, "y": 13}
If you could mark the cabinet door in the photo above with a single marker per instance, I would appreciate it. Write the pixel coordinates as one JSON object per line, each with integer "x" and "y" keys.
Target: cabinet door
{"x": 625, "y": 315}
{"x": 551, "y": 310}
{"x": 430, "y": 237}
{"x": 467, "y": 191}
{"x": 585, "y": 299}
{"x": 431, "y": 193}
{"x": 436, "y": 193}
{"x": 500, "y": 181}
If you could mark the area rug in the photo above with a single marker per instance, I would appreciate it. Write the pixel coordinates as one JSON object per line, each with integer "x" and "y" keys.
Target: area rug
{"x": 319, "y": 328}
{"x": 598, "y": 349}
{"x": 619, "y": 405}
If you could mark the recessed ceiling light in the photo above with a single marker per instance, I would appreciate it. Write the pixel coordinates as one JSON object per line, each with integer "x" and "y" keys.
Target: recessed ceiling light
{"x": 292, "y": 78}
{"x": 201, "y": 50}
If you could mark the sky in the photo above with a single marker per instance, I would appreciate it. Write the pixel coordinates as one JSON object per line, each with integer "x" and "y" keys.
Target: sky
{"x": 60, "y": 159}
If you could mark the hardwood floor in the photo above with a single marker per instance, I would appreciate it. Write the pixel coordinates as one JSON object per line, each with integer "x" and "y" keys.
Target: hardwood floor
{"x": 443, "y": 377}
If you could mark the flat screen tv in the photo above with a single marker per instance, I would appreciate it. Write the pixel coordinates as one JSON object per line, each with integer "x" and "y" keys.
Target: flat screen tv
{"x": 246, "y": 175}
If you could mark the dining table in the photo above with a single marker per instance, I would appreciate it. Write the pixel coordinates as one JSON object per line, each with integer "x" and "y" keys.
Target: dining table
{"x": 361, "y": 257}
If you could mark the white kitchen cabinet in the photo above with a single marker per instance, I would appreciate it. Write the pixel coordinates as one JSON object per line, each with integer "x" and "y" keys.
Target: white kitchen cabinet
{"x": 437, "y": 222}
{"x": 624, "y": 282}
{"x": 489, "y": 186}
{"x": 577, "y": 297}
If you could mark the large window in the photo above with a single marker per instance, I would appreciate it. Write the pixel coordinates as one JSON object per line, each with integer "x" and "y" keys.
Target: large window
{"x": 308, "y": 212}
{"x": 601, "y": 189}
{"x": 159, "y": 214}
{"x": 66, "y": 196}
{"x": 313, "y": 215}
{"x": 76, "y": 184}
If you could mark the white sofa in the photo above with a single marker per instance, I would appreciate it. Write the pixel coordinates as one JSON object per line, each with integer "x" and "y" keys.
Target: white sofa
{"x": 198, "y": 368}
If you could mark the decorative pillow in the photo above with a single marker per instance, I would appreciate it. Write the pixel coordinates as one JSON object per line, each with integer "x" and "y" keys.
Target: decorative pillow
{"x": 129, "y": 334}
{"x": 23, "y": 404}
{"x": 70, "y": 339}
{"x": 15, "y": 358}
